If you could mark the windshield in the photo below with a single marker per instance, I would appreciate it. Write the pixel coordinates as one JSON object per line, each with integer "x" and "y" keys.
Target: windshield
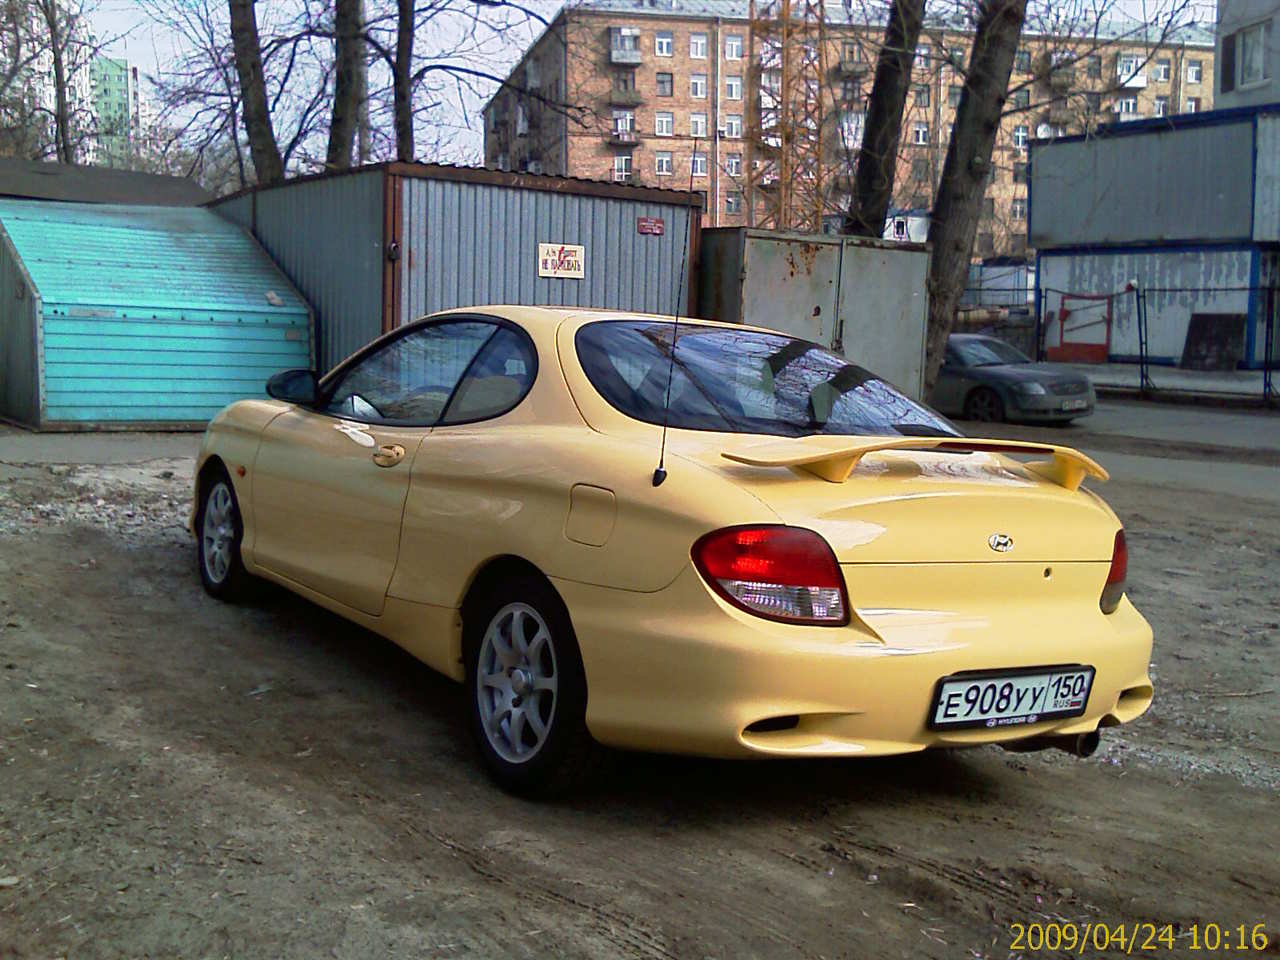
{"x": 987, "y": 353}
{"x": 743, "y": 381}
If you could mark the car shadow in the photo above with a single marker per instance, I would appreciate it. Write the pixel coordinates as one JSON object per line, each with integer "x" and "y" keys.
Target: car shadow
{"x": 427, "y": 723}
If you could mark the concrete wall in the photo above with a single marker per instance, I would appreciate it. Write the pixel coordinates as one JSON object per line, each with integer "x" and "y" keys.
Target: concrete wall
{"x": 1179, "y": 283}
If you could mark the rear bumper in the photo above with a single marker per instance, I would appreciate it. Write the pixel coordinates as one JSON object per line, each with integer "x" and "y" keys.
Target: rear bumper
{"x": 680, "y": 671}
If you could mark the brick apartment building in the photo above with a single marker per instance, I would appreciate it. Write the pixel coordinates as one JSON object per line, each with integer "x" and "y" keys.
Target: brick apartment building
{"x": 623, "y": 89}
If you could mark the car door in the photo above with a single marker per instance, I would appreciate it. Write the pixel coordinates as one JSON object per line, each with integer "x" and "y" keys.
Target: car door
{"x": 330, "y": 482}
{"x": 949, "y": 391}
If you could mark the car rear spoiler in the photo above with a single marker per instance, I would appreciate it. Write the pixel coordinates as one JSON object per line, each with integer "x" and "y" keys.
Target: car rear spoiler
{"x": 833, "y": 458}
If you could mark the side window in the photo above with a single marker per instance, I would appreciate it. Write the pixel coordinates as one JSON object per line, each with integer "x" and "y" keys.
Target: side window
{"x": 497, "y": 379}
{"x": 410, "y": 379}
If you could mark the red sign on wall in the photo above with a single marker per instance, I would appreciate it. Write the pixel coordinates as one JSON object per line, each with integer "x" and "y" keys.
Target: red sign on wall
{"x": 654, "y": 226}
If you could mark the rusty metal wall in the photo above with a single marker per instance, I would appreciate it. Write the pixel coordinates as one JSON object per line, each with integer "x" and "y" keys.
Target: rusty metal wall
{"x": 464, "y": 243}
{"x": 326, "y": 234}
{"x": 863, "y": 298}
{"x": 19, "y": 360}
{"x": 1152, "y": 184}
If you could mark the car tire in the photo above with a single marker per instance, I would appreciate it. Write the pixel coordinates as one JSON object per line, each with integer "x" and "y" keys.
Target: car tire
{"x": 985, "y": 405}
{"x": 526, "y": 689}
{"x": 219, "y": 532}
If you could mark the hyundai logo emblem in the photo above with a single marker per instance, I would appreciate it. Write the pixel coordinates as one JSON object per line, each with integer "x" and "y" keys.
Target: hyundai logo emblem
{"x": 1000, "y": 542}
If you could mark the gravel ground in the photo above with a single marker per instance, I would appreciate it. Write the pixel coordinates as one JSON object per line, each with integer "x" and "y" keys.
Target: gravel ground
{"x": 182, "y": 778}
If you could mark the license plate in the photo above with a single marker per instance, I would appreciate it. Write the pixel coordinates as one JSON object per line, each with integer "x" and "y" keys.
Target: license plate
{"x": 1010, "y": 698}
{"x": 1078, "y": 404}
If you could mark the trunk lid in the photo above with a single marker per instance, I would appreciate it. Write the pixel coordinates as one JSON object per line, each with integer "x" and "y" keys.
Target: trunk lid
{"x": 885, "y": 500}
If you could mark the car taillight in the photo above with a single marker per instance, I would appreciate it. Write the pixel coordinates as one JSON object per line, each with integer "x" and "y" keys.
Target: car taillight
{"x": 1114, "y": 589}
{"x": 778, "y": 572}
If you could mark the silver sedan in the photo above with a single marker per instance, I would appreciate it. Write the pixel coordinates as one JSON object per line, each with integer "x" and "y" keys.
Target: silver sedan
{"x": 983, "y": 378}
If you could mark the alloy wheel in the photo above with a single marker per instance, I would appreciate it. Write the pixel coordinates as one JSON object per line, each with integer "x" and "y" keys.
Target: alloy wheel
{"x": 517, "y": 682}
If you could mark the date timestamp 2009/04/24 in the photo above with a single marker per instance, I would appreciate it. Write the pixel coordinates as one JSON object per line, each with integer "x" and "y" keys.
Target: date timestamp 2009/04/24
{"x": 1140, "y": 937}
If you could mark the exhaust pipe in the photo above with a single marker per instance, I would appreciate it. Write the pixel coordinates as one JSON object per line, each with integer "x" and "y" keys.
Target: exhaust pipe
{"x": 1078, "y": 745}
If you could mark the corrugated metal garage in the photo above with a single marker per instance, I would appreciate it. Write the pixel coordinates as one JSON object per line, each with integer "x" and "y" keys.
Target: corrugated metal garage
{"x": 383, "y": 245}
{"x": 126, "y": 316}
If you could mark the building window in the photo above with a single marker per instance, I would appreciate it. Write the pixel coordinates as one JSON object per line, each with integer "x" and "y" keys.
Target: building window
{"x": 953, "y": 95}
{"x": 1127, "y": 105}
{"x": 920, "y": 133}
{"x": 1093, "y": 66}
{"x": 663, "y": 44}
{"x": 1249, "y": 49}
{"x": 698, "y": 86}
{"x": 666, "y": 85}
{"x": 733, "y": 202}
{"x": 522, "y": 121}
{"x": 1020, "y": 136}
{"x": 733, "y": 126}
{"x": 851, "y": 89}
{"x": 699, "y": 161}
{"x": 988, "y": 206}
{"x": 698, "y": 46}
{"x": 1193, "y": 71}
{"x": 1193, "y": 104}
{"x": 922, "y": 56}
{"x": 851, "y": 52}
{"x": 957, "y": 57}
{"x": 1127, "y": 66}
{"x": 920, "y": 169}
{"x": 1019, "y": 171}
{"x": 921, "y": 91}
{"x": 1018, "y": 208}
{"x": 1093, "y": 102}
{"x": 733, "y": 88}
{"x": 1021, "y": 98}
{"x": 624, "y": 81}
{"x": 664, "y": 124}
{"x": 662, "y": 163}
{"x": 733, "y": 164}
{"x": 622, "y": 166}
{"x": 1161, "y": 107}
{"x": 1022, "y": 61}
{"x": 986, "y": 244}
{"x": 732, "y": 47}
{"x": 624, "y": 38}
{"x": 698, "y": 125}
{"x": 1162, "y": 71}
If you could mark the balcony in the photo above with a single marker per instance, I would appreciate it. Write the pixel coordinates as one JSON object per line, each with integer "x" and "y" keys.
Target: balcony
{"x": 622, "y": 138}
{"x": 1064, "y": 78}
{"x": 1129, "y": 76}
{"x": 1126, "y": 117}
{"x": 624, "y": 56}
{"x": 1060, "y": 114}
{"x": 852, "y": 68}
{"x": 625, "y": 98}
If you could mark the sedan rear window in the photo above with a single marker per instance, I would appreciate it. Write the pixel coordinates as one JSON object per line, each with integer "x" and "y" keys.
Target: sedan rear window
{"x": 743, "y": 381}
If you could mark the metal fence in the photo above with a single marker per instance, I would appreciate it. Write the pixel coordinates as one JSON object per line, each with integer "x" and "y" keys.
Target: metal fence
{"x": 1116, "y": 329}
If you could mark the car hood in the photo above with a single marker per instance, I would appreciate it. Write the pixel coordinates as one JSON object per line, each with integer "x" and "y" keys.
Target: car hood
{"x": 920, "y": 505}
{"x": 1028, "y": 372}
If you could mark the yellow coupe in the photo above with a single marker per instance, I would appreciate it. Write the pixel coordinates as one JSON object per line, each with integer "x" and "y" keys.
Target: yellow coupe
{"x": 742, "y": 546}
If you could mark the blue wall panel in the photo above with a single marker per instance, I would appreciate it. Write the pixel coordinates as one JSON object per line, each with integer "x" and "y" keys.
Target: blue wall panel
{"x": 161, "y": 369}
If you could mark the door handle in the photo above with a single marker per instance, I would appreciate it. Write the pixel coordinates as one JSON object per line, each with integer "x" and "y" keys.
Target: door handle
{"x": 388, "y": 455}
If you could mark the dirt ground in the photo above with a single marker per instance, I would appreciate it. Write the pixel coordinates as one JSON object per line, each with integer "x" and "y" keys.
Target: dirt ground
{"x": 182, "y": 778}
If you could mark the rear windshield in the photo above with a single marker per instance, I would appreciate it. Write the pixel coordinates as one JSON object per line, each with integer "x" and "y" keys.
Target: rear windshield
{"x": 743, "y": 381}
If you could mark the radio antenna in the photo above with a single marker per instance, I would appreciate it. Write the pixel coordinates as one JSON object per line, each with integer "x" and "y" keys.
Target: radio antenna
{"x": 660, "y": 473}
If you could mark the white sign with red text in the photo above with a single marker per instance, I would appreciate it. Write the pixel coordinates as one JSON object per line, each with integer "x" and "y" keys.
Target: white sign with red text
{"x": 562, "y": 260}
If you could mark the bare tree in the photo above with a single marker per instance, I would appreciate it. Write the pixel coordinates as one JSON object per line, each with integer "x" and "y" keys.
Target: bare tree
{"x": 255, "y": 108}
{"x": 878, "y": 152}
{"x": 349, "y": 56}
{"x": 965, "y": 172}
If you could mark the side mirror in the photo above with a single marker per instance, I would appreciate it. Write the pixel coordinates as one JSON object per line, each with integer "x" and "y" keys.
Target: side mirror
{"x": 295, "y": 386}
